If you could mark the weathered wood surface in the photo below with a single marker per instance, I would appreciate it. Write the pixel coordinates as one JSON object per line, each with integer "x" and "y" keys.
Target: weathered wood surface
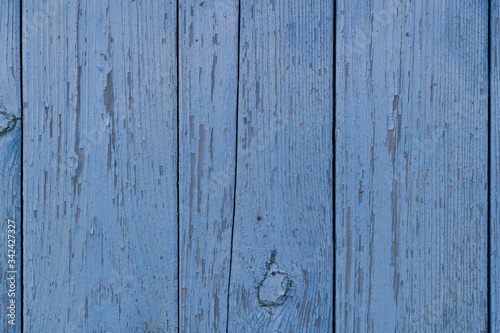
{"x": 208, "y": 57}
{"x": 179, "y": 165}
{"x": 10, "y": 160}
{"x": 282, "y": 263}
{"x": 494, "y": 166}
{"x": 100, "y": 170}
{"x": 411, "y": 157}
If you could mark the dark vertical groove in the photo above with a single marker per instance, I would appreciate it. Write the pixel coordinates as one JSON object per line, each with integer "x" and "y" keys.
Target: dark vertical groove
{"x": 21, "y": 270}
{"x": 334, "y": 165}
{"x": 489, "y": 170}
{"x": 177, "y": 37}
{"x": 235, "y": 164}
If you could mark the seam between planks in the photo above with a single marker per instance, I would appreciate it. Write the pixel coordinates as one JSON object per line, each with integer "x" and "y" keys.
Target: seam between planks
{"x": 488, "y": 213}
{"x": 177, "y": 39}
{"x": 235, "y": 165}
{"x": 21, "y": 274}
{"x": 334, "y": 165}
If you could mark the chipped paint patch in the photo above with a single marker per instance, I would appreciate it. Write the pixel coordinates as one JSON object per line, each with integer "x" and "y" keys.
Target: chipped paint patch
{"x": 275, "y": 287}
{"x": 8, "y": 122}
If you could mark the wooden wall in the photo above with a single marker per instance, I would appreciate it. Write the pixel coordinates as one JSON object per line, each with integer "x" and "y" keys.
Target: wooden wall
{"x": 250, "y": 166}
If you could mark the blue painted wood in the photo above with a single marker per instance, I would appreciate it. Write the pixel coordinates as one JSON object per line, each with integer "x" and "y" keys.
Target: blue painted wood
{"x": 105, "y": 143}
{"x": 100, "y": 151}
{"x": 10, "y": 166}
{"x": 411, "y": 157}
{"x": 208, "y": 56}
{"x": 282, "y": 263}
{"x": 495, "y": 165}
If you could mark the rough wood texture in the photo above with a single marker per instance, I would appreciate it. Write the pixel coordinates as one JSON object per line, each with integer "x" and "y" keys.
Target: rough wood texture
{"x": 10, "y": 159}
{"x": 411, "y": 157}
{"x": 100, "y": 156}
{"x": 495, "y": 165}
{"x": 282, "y": 264}
{"x": 113, "y": 243}
{"x": 208, "y": 55}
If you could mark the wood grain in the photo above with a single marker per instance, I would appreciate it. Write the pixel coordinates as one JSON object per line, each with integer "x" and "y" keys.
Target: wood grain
{"x": 10, "y": 160}
{"x": 411, "y": 157}
{"x": 100, "y": 151}
{"x": 282, "y": 263}
{"x": 208, "y": 56}
{"x": 494, "y": 166}
{"x": 179, "y": 173}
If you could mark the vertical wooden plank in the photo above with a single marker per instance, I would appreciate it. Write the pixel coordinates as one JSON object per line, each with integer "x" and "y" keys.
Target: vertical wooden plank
{"x": 282, "y": 265}
{"x": 494, "y": 165}
{"x": 100, "y": 166}
{"x": 208, "y": 55}
{"x": 411, "y": 157}
{"x": 10, "y": 166}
